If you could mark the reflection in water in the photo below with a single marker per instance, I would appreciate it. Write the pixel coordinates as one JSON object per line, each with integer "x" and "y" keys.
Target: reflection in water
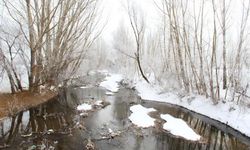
{"x": 40, "y": 127}
{"x": 55, "y": 125}
{"x": 15, "y": 124}
{"x": 121, "y": 104}
{"x": 213, "y": 138}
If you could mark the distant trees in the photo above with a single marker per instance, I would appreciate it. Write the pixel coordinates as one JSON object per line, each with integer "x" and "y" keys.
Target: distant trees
{"x": 56, "y": 33}
{"x": 124, "y": 47}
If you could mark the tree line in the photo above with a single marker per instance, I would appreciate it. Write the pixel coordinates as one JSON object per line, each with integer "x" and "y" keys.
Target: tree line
{"x": 193, "y": 46}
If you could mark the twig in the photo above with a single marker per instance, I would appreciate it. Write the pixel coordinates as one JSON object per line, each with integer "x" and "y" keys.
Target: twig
{"x": 243, "y": 94}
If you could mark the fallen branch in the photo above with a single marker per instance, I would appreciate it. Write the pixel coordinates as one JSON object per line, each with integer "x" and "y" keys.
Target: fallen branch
{"x": 243, "y": 94}
{"x": 110, "y": 135}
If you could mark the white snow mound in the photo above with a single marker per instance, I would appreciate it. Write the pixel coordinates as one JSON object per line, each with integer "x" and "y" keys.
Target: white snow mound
{"x": 140, "y": 116}
{"x": 179, "y": 127}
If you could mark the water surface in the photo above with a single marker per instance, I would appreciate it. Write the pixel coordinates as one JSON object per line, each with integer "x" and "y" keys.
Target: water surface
{"x": 57, "y": 125}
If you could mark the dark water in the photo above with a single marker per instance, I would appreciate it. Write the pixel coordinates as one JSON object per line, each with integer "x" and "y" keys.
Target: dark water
{"x": 57, "y": 125}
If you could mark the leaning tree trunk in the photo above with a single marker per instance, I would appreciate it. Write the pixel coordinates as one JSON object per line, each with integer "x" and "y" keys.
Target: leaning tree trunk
{"x": 140, "y": 67}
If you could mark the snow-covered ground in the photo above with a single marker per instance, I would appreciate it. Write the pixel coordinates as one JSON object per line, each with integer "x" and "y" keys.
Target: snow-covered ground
{"x": 111, "y": 82}
{"x": 238, "y": 117}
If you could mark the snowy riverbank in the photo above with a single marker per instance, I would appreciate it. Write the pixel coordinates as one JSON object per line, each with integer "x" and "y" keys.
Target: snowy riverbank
{"x": 233, "y": 115}
{"x": 238, "y": 117}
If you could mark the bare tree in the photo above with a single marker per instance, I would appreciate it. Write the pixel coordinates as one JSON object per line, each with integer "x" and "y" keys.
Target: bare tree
{"x": 9, "y": 51}
{"x": 138, "y": 26}
{"x": 58, "y": 34}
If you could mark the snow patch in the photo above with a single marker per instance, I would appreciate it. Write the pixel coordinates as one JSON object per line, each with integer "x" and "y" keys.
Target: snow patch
{"x": 84, "y": 87}
{"x": 91, "y": 105}
{"x": 110, "y": 130}
{"x": 111, "y": 82}
{"x": 109, "y": 93}
{"x": 84, "y": 107}
{"x": 140, "y": 109}
{"x": 179, "y": 127}
{"x": 140, "y": 116}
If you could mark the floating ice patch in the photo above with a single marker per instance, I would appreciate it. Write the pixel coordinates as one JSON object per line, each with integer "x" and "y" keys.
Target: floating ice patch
{"x": 140, "y": 116}
{"x": 140, "y": 109}
{"x": 109, "y": 93}
{"x": 111, "y": 82}
{"x": 141, "y": 120}
{"x": 110, "y": 130}
{"x": 84, "y": 107}
{"x": 179, "y": 127}
{"x": 84, "y": 87}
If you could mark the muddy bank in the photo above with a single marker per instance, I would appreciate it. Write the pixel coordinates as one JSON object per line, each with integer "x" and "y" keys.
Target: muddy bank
{"x": 11, "y": 104}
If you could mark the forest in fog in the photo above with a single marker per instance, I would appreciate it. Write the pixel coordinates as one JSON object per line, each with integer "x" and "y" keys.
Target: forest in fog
{"x": 183, "y": 46}
{"x": 125, "y": 74}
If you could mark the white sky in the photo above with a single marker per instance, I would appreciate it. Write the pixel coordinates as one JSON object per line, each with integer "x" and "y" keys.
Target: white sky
{"x": 115, "y": 12}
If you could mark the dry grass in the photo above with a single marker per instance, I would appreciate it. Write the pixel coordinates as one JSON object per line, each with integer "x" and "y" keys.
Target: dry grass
{"x": 11, "y": 104}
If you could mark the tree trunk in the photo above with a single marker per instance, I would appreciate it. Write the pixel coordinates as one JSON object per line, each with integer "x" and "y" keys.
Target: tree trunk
{"x": 140, "y": 68}
{"x": 224, "y": 45}
{"x": 32, "y": 48}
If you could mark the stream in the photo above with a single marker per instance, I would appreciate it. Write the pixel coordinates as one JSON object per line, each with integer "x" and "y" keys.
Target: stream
{"x": 58, "y": 125}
